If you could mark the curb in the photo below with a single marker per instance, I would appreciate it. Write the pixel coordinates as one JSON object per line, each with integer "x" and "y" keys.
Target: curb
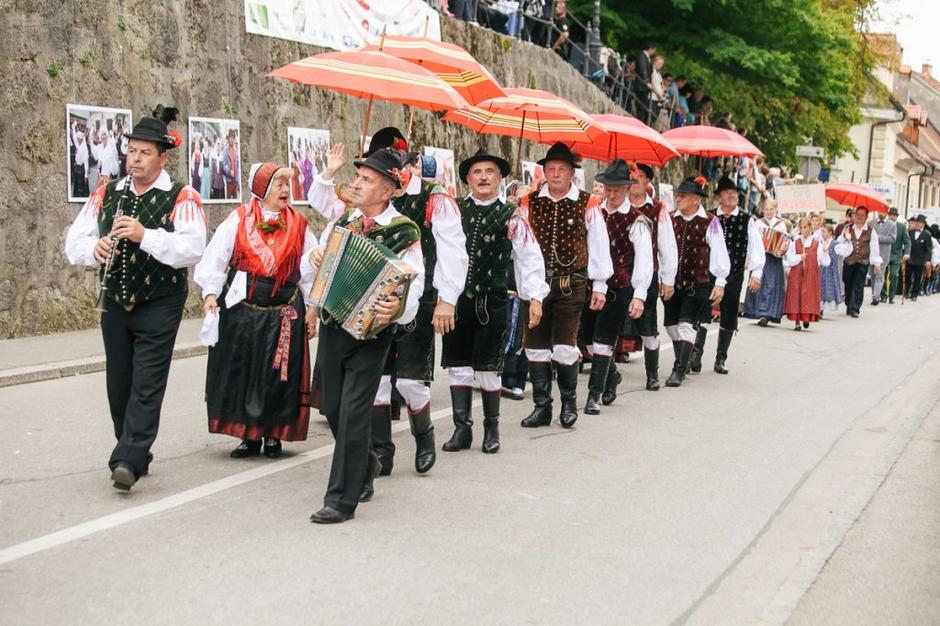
{"x": 88, "y": 365}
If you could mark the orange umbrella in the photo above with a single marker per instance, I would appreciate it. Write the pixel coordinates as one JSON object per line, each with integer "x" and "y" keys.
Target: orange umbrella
{"x": 853, "y": 195}
{"x": 529, "y": 114}
{"x": 710, "y": 141}
{"x": 374, "y": 75}
{"x": 627, "y": 138}
{"x": 450, "y": 62}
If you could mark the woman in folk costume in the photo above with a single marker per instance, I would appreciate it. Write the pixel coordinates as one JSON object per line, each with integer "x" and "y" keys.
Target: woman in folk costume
{"x": 766, "y": 304}
{"x": 805, "y": 256}
{"x": 832, "y": 291}
{"x": 258, "y": 374}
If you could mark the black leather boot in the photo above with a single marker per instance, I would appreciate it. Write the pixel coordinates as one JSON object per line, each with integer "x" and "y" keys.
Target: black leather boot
{"x": 614, "y": 378}
{"x": 460, "y": 398}
{"x": 721, "y": 355}
{"x": 423, "y": 432}
{"x": 382, "y": 443}
{"x": 681, "y": 366}
{"x": 695, "y": 362}
{"x": 651, "y": 358}
{"x": 541, "y": 376}
{"x": 600, "y": 366}
{"x": 568, "y": 391}
{"x": 490, "y": 422}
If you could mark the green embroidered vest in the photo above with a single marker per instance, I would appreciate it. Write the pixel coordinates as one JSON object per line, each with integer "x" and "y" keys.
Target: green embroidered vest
{"x": 488, "y": 246}
{"x": 135, "y": 275}
{"x": 415, "y": 208}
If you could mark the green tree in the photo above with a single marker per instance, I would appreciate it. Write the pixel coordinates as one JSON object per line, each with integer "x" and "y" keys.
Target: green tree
{"x": 790, "y": 71}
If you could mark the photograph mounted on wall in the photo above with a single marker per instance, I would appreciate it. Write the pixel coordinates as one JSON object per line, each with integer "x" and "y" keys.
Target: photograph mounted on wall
{"x": 96, "y": 147}
{"x": 215, "y": 159}
{"x": 306, "y": 156}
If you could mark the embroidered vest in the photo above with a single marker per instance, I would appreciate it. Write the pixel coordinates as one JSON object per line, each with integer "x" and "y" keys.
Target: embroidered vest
{"x": 621, "y": 248}
{"x": 860, "y": 249}
{"x": 561, "y": 230}
{"x": 415, "y": 208}
{"x": 735, "y": 227}
{"x": 488, "y": 246}
{"x": 397, "y": 236}
{"x": 135, "y": 275}
{"x": 694, "y": 250}
{"x": 651, "y": 211}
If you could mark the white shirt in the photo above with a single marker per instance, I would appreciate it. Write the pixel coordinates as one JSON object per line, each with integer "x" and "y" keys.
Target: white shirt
{"x": 212, "y": 271}
{"x": 411, "y": 255}
{"x": 719, "y": 263}
{"x": 181, "y": 248}
{"x": 755, "y": 245}
{"x": 107, "y": 155}
{"x": 793, "y": 259}
{"x": 666, "y": 248}
{"x": 450, "y": 271}
{"x": 642, "y": 274}
{"x": 528, "y": 263}
{"x": 600, "y": 267}
{"x": 844, "y": 246}
{"x": 935, "y": 252}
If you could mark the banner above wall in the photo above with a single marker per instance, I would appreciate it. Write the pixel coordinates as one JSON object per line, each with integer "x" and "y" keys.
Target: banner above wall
{"x": 340, "y": 24}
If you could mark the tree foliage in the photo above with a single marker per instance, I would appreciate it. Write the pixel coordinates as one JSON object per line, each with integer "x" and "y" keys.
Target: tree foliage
{"x": 790, "y": 71}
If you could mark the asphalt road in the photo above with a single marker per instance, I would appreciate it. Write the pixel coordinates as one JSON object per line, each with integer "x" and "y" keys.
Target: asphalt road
{"x": 717, "y": 503}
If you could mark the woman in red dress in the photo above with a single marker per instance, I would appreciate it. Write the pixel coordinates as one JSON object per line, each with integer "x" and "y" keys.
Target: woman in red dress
{"x": 805, "y": 256}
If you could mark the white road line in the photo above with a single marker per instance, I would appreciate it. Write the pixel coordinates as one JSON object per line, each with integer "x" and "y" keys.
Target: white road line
{"x": 79, "y": 531}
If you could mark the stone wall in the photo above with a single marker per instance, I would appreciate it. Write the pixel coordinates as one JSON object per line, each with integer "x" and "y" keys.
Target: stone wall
{"x": 194, "y": 55}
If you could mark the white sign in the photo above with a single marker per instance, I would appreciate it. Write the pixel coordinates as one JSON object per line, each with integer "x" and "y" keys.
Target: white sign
{"x": 340, "y": 24}
{"x": 810, "y": 152}
{"x": 800, "y": 198}
{"x": 885, "y": 189}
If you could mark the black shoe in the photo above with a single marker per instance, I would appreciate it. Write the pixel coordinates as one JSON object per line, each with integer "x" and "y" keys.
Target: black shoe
{"x": 883, "y": 298}
{"x": 123, "y": 476}
{"x": 460, "y": 400}
{"x": 329, "y": 515}
{"x": 372, "y": 472}
{"x": 680, "y": 367}
{"x": 875, "y": 303}
{"x": 146, "y": 469}
{"x": 651, "y": 359}
{"x": 568, "y": 391}
{"x": 541, "y": 377}
{"x": 593, "y": 404}
{"x": 890, "y": 300}
{"x": 246, "y": 449}
{"x": 763, "y": 322}
{"x": 423, "y": 432}
{"x": 805, "y": 324}
{"x": 490, "y": 422}
{"x": 853, "y": 314}
{"x": 272, "y": 448}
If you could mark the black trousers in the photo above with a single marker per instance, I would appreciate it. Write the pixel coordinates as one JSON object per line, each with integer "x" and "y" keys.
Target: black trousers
{"x": 349, "y": 372}
{"x": 687, "y": 304}
{"x": 853, "y": 276}
{"x": 479, "y": 336}
{"x": 605, "y": 326}
{"x": 730, "y": 303}
{"x": 915, "y": 278}
{"x": 138, "y": 346}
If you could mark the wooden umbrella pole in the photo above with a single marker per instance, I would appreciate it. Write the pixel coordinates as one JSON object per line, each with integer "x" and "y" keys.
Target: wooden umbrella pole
{"x": 411, "y": 110}
{"x": 519, "y": 152}
{"x": 365, "y": 126}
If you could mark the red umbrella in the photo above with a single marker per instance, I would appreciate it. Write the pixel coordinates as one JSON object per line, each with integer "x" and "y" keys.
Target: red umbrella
{"x": 627, "y": 138}
{"x": 710, "y": 141}
{"x": 853, "y": 195}
{"x": 374, "y": 75}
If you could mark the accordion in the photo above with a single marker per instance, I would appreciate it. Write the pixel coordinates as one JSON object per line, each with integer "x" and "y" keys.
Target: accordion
{"x": 354, "y": 275}
{"x": 775, "y": 242}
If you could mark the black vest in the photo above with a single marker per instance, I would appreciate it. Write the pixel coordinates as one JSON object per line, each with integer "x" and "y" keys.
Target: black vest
{"x": 135, "y": 275}
{"x": 415, "y": 208}
{"x": 488, "y": 246}
{"x": 735, "y": 227}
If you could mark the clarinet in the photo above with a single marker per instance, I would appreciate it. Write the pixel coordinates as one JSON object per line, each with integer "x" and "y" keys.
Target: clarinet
{"x": 103, "y": 285}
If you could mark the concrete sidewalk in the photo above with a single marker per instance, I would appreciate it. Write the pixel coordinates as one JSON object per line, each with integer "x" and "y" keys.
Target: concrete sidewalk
{"x": 43, "y": 357}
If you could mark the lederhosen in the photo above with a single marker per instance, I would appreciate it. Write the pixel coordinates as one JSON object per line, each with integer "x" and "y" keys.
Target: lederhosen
{"x": 735, "y": 228}
{"x": 142, "y": 316}
{"x": 561, "y": 230}
{"x": 347, "y": 376}
{"x": 646, "y": 325}
{"x": 693, "y": 280}
{"x": 478, "y": 339}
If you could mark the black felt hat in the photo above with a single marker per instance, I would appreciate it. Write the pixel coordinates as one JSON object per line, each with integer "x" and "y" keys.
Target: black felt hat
{"x": 617, "y": 173}
{"x": 155, "y": 128}
{"x": 388, "y": 137}
{"x": 694, "y": 184}
{"x": 483, "y": 155}
{"x": 921, "y": 218}
{"x": 561, "y": 152}
{"x": 643, "y": 167}
{"x": 724, "y": 184}
{"x": 386, "y": 163}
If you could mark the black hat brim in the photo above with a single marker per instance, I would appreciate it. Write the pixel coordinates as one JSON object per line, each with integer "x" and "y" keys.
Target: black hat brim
{"x": 466, "y": 164}
{"x": 570, "y": 162}
{"x": 151, "y": 139}
{"x": 604, "y": 180}
{"x": 686, "y": 188}
{"x": 364, "y": 164}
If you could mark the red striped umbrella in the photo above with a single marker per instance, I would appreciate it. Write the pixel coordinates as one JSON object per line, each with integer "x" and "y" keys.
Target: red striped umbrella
{"x": 854, "y": 195}
{"x": 450, "y": 62}
{"x": 710, "y": 141}
{"x": 627, "y": 138}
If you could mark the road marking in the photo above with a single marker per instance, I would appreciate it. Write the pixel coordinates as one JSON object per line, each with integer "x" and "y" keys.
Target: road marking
{"x": 80, "y": 531}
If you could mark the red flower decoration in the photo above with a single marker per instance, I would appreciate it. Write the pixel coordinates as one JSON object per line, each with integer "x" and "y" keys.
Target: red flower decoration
{"x": 700, "y": 180}
{"x": 395, "y": 173}
{"x": 174, "y": 138}
{"x": 400, "y": 144}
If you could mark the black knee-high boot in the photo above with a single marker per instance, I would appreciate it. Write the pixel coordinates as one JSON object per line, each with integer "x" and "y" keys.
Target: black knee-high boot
{"x": 491, "y": 422}
{"x": 568, "y": 392}
{"x": 721, "y": 355}
{"x": 600, "y": 365}
{"x": 695, "y": 362}
{"x": 541, "y": 377}
{"x": 651, "y": 358}
{"x": 460, "y": 398}
{"x": 423, "y": 432}
{"x": 681, "y": 366}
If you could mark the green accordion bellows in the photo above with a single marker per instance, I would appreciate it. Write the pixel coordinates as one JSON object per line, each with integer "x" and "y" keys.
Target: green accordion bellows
{"x": 356, "y": 273}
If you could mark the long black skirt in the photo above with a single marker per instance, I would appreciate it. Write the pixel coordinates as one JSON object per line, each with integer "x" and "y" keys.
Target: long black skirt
{"x": 249, "y": 393}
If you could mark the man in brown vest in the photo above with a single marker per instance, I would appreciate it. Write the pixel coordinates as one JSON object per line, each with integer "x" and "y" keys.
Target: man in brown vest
{"x": 858, "y": 244}
{"x": 573, "y": 236}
